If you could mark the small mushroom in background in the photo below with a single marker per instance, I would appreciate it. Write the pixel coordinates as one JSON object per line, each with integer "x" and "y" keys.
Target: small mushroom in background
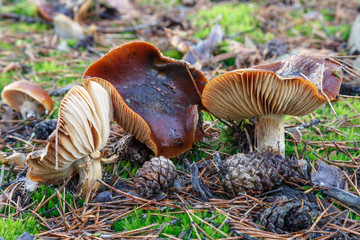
{"x": 156, "y": 99}
{"x": 295, "y": 86}
{"x": 27, "y": 98}
{"x": 66, "y": 28}
{"x": 17, "y": 158}
{"x": 48, "y": 9}
{"x": 83, "y": 129}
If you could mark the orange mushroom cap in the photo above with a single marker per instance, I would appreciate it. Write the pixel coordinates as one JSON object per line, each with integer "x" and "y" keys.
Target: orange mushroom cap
{"x": 48, "y": 10}
{"x": 295, "y": 86}
{"x": 16, "y": 93}
{"x": 154, "y": 96}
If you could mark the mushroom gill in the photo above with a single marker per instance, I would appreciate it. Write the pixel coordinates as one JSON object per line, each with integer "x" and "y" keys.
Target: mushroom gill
{"x": 82, "y": 131}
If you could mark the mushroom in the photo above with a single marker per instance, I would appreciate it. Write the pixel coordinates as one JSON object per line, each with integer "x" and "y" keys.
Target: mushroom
{"x": 295, "y": 86}
{"x": 155, "y": 98}
{"x": 82, "y": 131}
{"x": 49, "y": 9}
{"x": 27, "y": 98}
{"x": 17, "y": 158}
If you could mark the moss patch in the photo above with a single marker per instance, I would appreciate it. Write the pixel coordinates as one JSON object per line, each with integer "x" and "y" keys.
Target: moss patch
{"x": 234, "y": 19}
{"x": 11, "y": 229}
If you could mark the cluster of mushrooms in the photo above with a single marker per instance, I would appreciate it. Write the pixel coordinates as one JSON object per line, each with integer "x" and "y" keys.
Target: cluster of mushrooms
{"x": 158, "y": 100}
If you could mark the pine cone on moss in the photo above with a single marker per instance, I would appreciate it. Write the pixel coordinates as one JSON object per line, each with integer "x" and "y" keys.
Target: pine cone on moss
{"x": 155, "y": 176}
{"x": 130, "y": 149}
{"x": 44, "y": 128}
{"x": 255, "y": 173}
{"x": 290, "y": 217}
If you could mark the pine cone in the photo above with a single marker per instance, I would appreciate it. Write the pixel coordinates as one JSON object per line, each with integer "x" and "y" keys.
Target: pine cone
{"x": 255, "y": 173}
{"x": 44, "y": 128}
{"x": 130, "y": 149}
{"x": 155, "y": 176}
{"x": 291, "y": 217}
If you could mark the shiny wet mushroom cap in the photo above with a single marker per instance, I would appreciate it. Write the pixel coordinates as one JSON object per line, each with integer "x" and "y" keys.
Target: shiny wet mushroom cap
{"x": 27, "y": 98}
{"x": 156, "y": 98}
{"x": 295, "y": 86}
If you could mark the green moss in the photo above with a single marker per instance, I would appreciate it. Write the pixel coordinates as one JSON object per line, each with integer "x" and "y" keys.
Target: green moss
{"x": 347, "y": 133}
{"x": 124, "y": 166}
{"x": 71, "y": 42}
{"x": 175, "y": 222}
{"x": 27, "y": 27}
{"x": 21, "y": 7}
{"x": 342, "y": 31}
{"x": 326, "y": 25}
{"x": 11, "y": 229}
{"x": 173, "y": 54}
{"x": 5, "y": 79}
{"x": 50, "y": 209}
{"x": 304, "y": 29}
{"x": 234, "y": 19}
{"x": 6, "y": 46}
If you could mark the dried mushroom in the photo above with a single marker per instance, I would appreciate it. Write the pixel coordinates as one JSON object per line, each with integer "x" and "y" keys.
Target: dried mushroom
{"x": 82, "y": 131}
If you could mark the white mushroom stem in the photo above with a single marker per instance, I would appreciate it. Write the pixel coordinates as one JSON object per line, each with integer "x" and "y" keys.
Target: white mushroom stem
{"x": 271, "y": 134}
{"x": 30, "y": 109}
{"x": 89, "y": 170}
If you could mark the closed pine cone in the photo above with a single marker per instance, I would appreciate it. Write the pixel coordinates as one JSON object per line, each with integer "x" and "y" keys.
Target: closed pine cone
{"x": 290, "y": 217}
{"x": 155, "y": 176}
{"x": 255, "y": 173}
{"x": 130, "y": 149}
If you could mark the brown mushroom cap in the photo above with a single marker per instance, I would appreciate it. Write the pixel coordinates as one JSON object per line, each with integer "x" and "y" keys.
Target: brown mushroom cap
{"x": 293, "y": 86}
{"x": 154, "y": 96}
{"x": 48, "y": 10}
{"x": 16, "y": 93}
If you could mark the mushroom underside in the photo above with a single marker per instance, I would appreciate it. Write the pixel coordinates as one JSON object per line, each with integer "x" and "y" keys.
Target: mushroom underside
{"x": 246, "y": 94}
{"x": 263, "y": 94}
{"x": 82, "y": 131}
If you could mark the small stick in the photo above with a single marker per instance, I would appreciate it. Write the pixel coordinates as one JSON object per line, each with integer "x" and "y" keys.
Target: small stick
{"x": 319, "y": 218}
{"x": 192, "y": 79}
{"x": 208, "y": 224}
{"x": 138, "y": 199}
{"x": 202, "y": 230}
{"x": 2, "y": 173}
{"x": 47, "y": 200}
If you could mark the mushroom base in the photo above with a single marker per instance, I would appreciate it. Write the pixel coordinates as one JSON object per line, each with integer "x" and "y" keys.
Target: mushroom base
{"x": 89, "y": 170}
{"x": 271, "y": 134}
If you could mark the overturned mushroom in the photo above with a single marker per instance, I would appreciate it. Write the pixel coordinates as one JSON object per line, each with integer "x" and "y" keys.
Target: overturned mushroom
{"x": 27, "y": 98}
{"x": 155, "y": 98}
{"x": 294, "y": 86}
{"x": 82, "y": 131}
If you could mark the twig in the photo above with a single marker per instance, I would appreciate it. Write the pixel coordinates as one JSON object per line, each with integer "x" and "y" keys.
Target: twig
{"x": 345, "y": 197}
{"x": 2, "y": 173}
{"x": 208, "y": 224}
{"x": 319, "y": 218}
{"x": 137, "y": 199}
{"x": 192, "y": 79}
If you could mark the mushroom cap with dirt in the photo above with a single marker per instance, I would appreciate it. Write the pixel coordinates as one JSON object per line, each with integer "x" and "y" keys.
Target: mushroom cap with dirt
{"x": 82, "y": 131}
{"x": 156, "y": 99}
{"x": 294, "y": 86}
{"x": 27, "y": 98}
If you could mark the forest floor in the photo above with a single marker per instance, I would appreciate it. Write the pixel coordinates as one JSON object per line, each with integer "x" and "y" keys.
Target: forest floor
{"x": 243, "y": 34}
